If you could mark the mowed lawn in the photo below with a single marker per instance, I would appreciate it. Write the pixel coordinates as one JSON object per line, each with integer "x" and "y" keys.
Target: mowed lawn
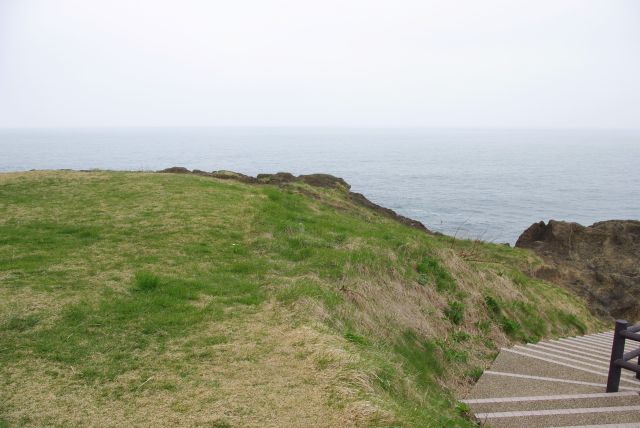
{"x": 160, "y": 299}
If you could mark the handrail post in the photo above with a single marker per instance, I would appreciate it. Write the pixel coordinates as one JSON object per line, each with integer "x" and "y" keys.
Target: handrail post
{"x": 617, "y": 353}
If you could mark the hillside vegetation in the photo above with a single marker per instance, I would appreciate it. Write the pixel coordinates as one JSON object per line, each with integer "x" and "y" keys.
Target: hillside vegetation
{"x": 183, "y": 300}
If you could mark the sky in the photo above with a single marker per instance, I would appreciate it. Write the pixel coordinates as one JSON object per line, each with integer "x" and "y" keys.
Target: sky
{"x": 336, "y": 63}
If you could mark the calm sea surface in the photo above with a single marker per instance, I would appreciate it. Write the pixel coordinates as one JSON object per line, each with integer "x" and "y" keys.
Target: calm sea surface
{"x": 487, "y": 184}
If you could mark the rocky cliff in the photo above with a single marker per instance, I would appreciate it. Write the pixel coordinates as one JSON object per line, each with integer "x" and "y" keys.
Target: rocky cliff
{"x": 316, "y": 180}
{"x": 600, "y": 262}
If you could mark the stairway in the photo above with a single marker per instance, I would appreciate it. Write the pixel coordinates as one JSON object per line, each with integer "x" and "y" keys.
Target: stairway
{"x": 558, "y": 383}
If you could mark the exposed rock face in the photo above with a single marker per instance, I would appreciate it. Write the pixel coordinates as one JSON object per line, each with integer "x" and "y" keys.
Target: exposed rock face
{"x": 325, "y": 180}
{"x": 316, "y": 180}
{"x": 360, "y": 199}
{"x": 600, "y": 262}
{"x": 230, "y": 175}
{"x": 176, "y": 170}
{"x": 277, "y": 178}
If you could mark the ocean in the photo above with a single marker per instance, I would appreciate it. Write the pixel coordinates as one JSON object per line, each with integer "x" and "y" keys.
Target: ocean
{"x": 479, "y": 184}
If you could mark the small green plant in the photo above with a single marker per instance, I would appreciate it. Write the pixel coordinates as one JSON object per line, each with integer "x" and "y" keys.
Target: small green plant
{"x": 146, "y": 281}
{"x": 484, "y": 326}
{"x": 493, "y": 306}
{"x": 509, "y": 326}
{"x": 460, "y": 336}
{"x": 423, "y": 279}
{"x": 474, "y": 373}
{"x": 454, "y": 312}
{"x": 455, "y": 355}
{"x": 355, "y": 338}
{"x": 430, "y": 268}
{"x": 571, "y": 320}
{"x": 463, "y": 409}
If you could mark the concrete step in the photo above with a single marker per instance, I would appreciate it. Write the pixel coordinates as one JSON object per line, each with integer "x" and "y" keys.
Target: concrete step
{"x": 564, "y": 350}
{"x": 498, "y": 384}
{"x": 561, "y": 417}
{"x": 587, "y": 350}
{"x": 513, "y": 361}
{"x": 557, "y": 383}
{"x": 567, "y": 353}
{"x": 565, "y": 357}
{"x": 591, "y": 340}
{"x": 566, "y": 401}
{"x": 600, "y": 345}
{"x": 587, "y": 342}
{"x": 577, "y": 351}
{"x": 579, "y": 347}
{"x": 601, "y": 341}
{"x": 568, "y": 358}
{"x": 590, "y": 346}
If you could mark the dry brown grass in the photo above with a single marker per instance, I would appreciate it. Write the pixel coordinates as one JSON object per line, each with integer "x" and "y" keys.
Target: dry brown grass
{"x": 272, "y": 372}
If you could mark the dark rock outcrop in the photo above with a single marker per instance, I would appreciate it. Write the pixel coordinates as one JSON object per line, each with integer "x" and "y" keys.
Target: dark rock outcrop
{"x": 230, "y": 175}
{"x": 277, "y": 178}
{"x": 600, "y": 262}
{"x": 325, "y": 180}
{"x": 360, "y": 199}
{"x": 175, "y": 170}
{"x": 316, "y": 180}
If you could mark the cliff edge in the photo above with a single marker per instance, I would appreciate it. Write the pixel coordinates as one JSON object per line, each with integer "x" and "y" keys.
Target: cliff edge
{"x": 316, "y": 180}
{"x": 600, "y": 262}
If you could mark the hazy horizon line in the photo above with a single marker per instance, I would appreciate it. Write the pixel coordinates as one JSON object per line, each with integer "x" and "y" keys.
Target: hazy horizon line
{"x": 328, "y": 127}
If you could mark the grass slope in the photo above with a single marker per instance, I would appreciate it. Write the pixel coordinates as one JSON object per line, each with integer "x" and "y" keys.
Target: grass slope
{"x": 159, "y": 299}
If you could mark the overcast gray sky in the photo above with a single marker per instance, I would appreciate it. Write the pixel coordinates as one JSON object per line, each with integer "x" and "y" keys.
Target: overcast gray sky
{"x": 418, "y": 63}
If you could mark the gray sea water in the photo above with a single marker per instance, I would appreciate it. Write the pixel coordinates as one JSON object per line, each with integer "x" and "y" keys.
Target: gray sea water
{"x": 484, "y": 184}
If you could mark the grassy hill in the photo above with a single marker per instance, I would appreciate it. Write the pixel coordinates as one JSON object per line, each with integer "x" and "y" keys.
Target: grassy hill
{"x": 165, "y": 299}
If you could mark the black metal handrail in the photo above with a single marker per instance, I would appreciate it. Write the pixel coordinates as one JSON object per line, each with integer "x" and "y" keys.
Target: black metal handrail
{"x": 620, "y": 360}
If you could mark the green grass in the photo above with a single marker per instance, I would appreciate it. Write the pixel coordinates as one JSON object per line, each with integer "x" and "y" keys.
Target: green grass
{"x": 474, "y": 373}
{"x": 454, "y": 312}
{"x": 356, "y": 338}
{"x": 119, "y": 327}
{"x": 146, "y": 281}
{"x": 429, "y": 269}
{"x": 138, "y": 285}
{"x": 308, "y": 289}
{"x": 20, "y": 324}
